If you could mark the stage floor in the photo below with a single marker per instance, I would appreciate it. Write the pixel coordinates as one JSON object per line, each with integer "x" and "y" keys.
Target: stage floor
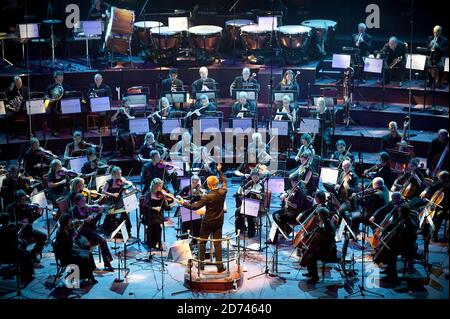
{"x": 147, "y": 281}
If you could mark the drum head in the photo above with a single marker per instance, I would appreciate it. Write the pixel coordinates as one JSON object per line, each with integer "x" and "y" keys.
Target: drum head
{"x": 294, "y": 29}
{"x": 253, "y": 28}
{"x": 319, "y": 24}
{"x": 147, "y": 24}
{"x": 164, "y": 31}
{"x": 238, "y": 22}
{"x": 205, "y": 29}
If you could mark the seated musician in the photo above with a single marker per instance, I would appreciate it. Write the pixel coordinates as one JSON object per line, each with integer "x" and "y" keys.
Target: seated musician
{"x": 289, "y": 83}
{"x": 410, "y": 183}
{"x": 23, "y": 214}
{"x": 381, "y": 169}
{"x": 246, "y": 81}
{"x": 35, "y": 160}
{"x": 362, "y": 41}
{"x": 254, "y": 189}
{"x": 12, "y": 183}
{"x": 16, "y": 96}
{"x": 165, "y": 111}
{"x": 14, "y": 249}
{"x": 54, "y": 106}
{"x": 390, "y": 141}
{"x": 442, "y": 211}
{"x": 114, "y": 189}
{"x": 404, "y": 244}
{"x": 395, "y": 54}
{"x": 320, "y": 200}
{"x": 149, "y": 145}
{"x": 192, "y": 193}
{"x": 204, "y": 164}
{"x": 306, "y": 144}
{"x": 324, "y": 248}
{"x": 391, "y": 208}
{"x": 202, "y": 107}
{"x": 258, "y": 150}
{"x": 92, "y": 168}
{"x": 76, "y": 148}
{"x": 293, "y": 201}
{"x": 90, "y": 216}
{"x": 438, "y": 153}
{"x": 342, "y": 153}
{"x": 326, "y": 123}
{"x": 289, "y": 112}
{"x": 304, "y": 173}
{"x": 155, "y": 202}
{"x": 438, "y": 44}
{"x": 124, "y": 139}
{"x": 172, "y": 83}
{"x": 184, "y": 149}
{"x": 98, "y": 88}
{"x": 204, "y": 83}
{"x": 68, "y": 253}
{"x": 157, "y": 169}
{"x": 243, "y": 107}
{"x": 57, "y": 181}
{"x": 373, "y": 199}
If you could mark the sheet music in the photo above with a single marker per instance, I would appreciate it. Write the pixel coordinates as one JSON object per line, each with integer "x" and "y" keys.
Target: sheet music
{"x": 2, "y": 108}
{"x": 35, "y": 107}
{"x": 70, "y": 106}
{"x": 100, "y": 104}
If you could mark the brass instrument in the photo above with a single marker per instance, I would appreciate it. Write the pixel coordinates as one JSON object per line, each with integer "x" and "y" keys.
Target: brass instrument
{"x": 395, "y": 62}
{"x": 56, "y": 94}
{"x": 16, "y": 103}
{"x": 434, "y": 44}
{"x": 358, "y": 41}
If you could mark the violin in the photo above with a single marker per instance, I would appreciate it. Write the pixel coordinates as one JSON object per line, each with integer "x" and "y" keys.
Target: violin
{"x": 93, "y": 194}
{"x": 43, "y": 152}
{"x": 64, "y": 172}
{"x": 163, "y": 164}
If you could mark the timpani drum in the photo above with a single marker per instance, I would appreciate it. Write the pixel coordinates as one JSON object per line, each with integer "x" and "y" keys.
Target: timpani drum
{"x": 205, "y": 38}
{"x": 255, "y": 38}
{"x": 165, "y": 40}
{"x": 233, "y": 28}
{"x": 293, "y": 37}
{"x": 119, "y": 30}
{"x": 323, "y": 32}
{"x": 143, "y": 28}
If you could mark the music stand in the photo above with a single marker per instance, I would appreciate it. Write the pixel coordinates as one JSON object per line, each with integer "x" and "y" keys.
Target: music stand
{"x": 100, "y": 104}
{"x": 211, "y": 94}
{"x": 341, "y": 61}
{"x": 123, "y": 229}
{"x": 309, "y": 125}
{"x": 418, "y": 62}
{"x": 244, "y": 124}
{"x": 91, "y": 29}
{"x": 177, "y": 96}
{"x": 33, "y": 107}
{"x": 139, "y": 126}
{"x": 252, "y": 94}
{"x": 278, "y": 95}
{"x": 171, "y": 126}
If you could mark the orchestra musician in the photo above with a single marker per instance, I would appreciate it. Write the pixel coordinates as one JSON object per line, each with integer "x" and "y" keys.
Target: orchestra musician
{"x": 438, "y": 45}
{"x": 410, "y": 183}
{"x": 193, "y": 193}
{"x": 381, "y": 169}
{"x": 289, "y": 83}
{"x": 392, "y": 207}
{"x": 57, "y": 181}
{"x": 243, "y": 108}
{"x": 347, "y": 184}
{"x": 172, "y": 83}
{"x": 293, "y": 201}
{"x": 165, "y": 111}
{"x": 390, "y": 140}
{"x": 68, "y": 253}
{"x": 258, "y": 150}
{"x": 212, "y": 222}
{"x": 244, "y": 81}
{"x": 155, "y": 203}
{"x": 362, "y": 41}
{"x": 289, "y": 113}
{"x": 253, "y": 189}
{"x": 114, "y": 189}
{"x": 322, "y": 247}
{"x": 89, "y": 215}
{"x": 204, "y": 164}
{"x": 77, "y": 147}
{"x": 342, "y": 153}
{"x": 52, "y": 94}
{"x": 148, "y": 146}
{"x": 371, "y": 200}
{"x": 16, "y": 96}
{"x": 184, "y": 149}
{"x": 326, "y": 122}
{"x": 126, "y": 143}
{"x": 304, "y": 173}
{"x": 155, "y": 168}
{"x": 306, "y": 144}
{"x": 36, "y": 159}
{"x": 395, "y": 54}
{"x": 401, "y": 236}
{"x": 14, "y": 249}
{"x": 438, "y": 153}
{"x": 23, "y": 214}
{"x": 201, "y": 107}
{"x": 98, "y": 88}
{"x": 12, "y": 183}
{"x": 205, "y": 83}
{"x": 93, "y": 167}
{"x": 442, "y": 211}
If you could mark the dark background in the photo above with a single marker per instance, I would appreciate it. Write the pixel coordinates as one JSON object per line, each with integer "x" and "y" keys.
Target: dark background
{"x": 395, "y": 15}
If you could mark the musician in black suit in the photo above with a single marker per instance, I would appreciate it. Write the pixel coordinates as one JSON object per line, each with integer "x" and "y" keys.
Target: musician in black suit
{"x": 438, "y": 45}
{"x": 395, "y": 54}
{"x": 98, "y": 88}
{"x": 54, "y": 106}
{"x": 289, "y": 83}
{"x": 243, "y": 108}
{"x": 246, "y": 81}
{"x": 437, "y": 151}
{"x": 205, "y": 83}
{"x": 172, "y": 83}
{"x": 212, "y": 222}
{"x": 16, "y": 96}
{"x": 390, "y": 141}
{"x": 362, "y": 41}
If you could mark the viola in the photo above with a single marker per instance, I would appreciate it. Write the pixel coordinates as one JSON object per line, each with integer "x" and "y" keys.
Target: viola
{"x": 93, "y": 194}
{"x": 64, "y": 172}
{"x": 169, "y": 166}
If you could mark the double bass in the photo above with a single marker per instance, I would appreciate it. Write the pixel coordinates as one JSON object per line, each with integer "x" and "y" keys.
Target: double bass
{"x": 426, "y": 215}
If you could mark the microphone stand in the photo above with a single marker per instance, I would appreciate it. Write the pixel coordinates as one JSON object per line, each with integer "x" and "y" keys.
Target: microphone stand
{"x": 362, "y": 291}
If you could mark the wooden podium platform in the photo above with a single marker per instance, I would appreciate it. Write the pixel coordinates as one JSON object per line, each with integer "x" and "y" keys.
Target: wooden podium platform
{"x": 212, "y": 281}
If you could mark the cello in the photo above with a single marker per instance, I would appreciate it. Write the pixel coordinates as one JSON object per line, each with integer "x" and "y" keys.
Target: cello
{"x": 427, "y": 213}
{"x": 307, "y": 229}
